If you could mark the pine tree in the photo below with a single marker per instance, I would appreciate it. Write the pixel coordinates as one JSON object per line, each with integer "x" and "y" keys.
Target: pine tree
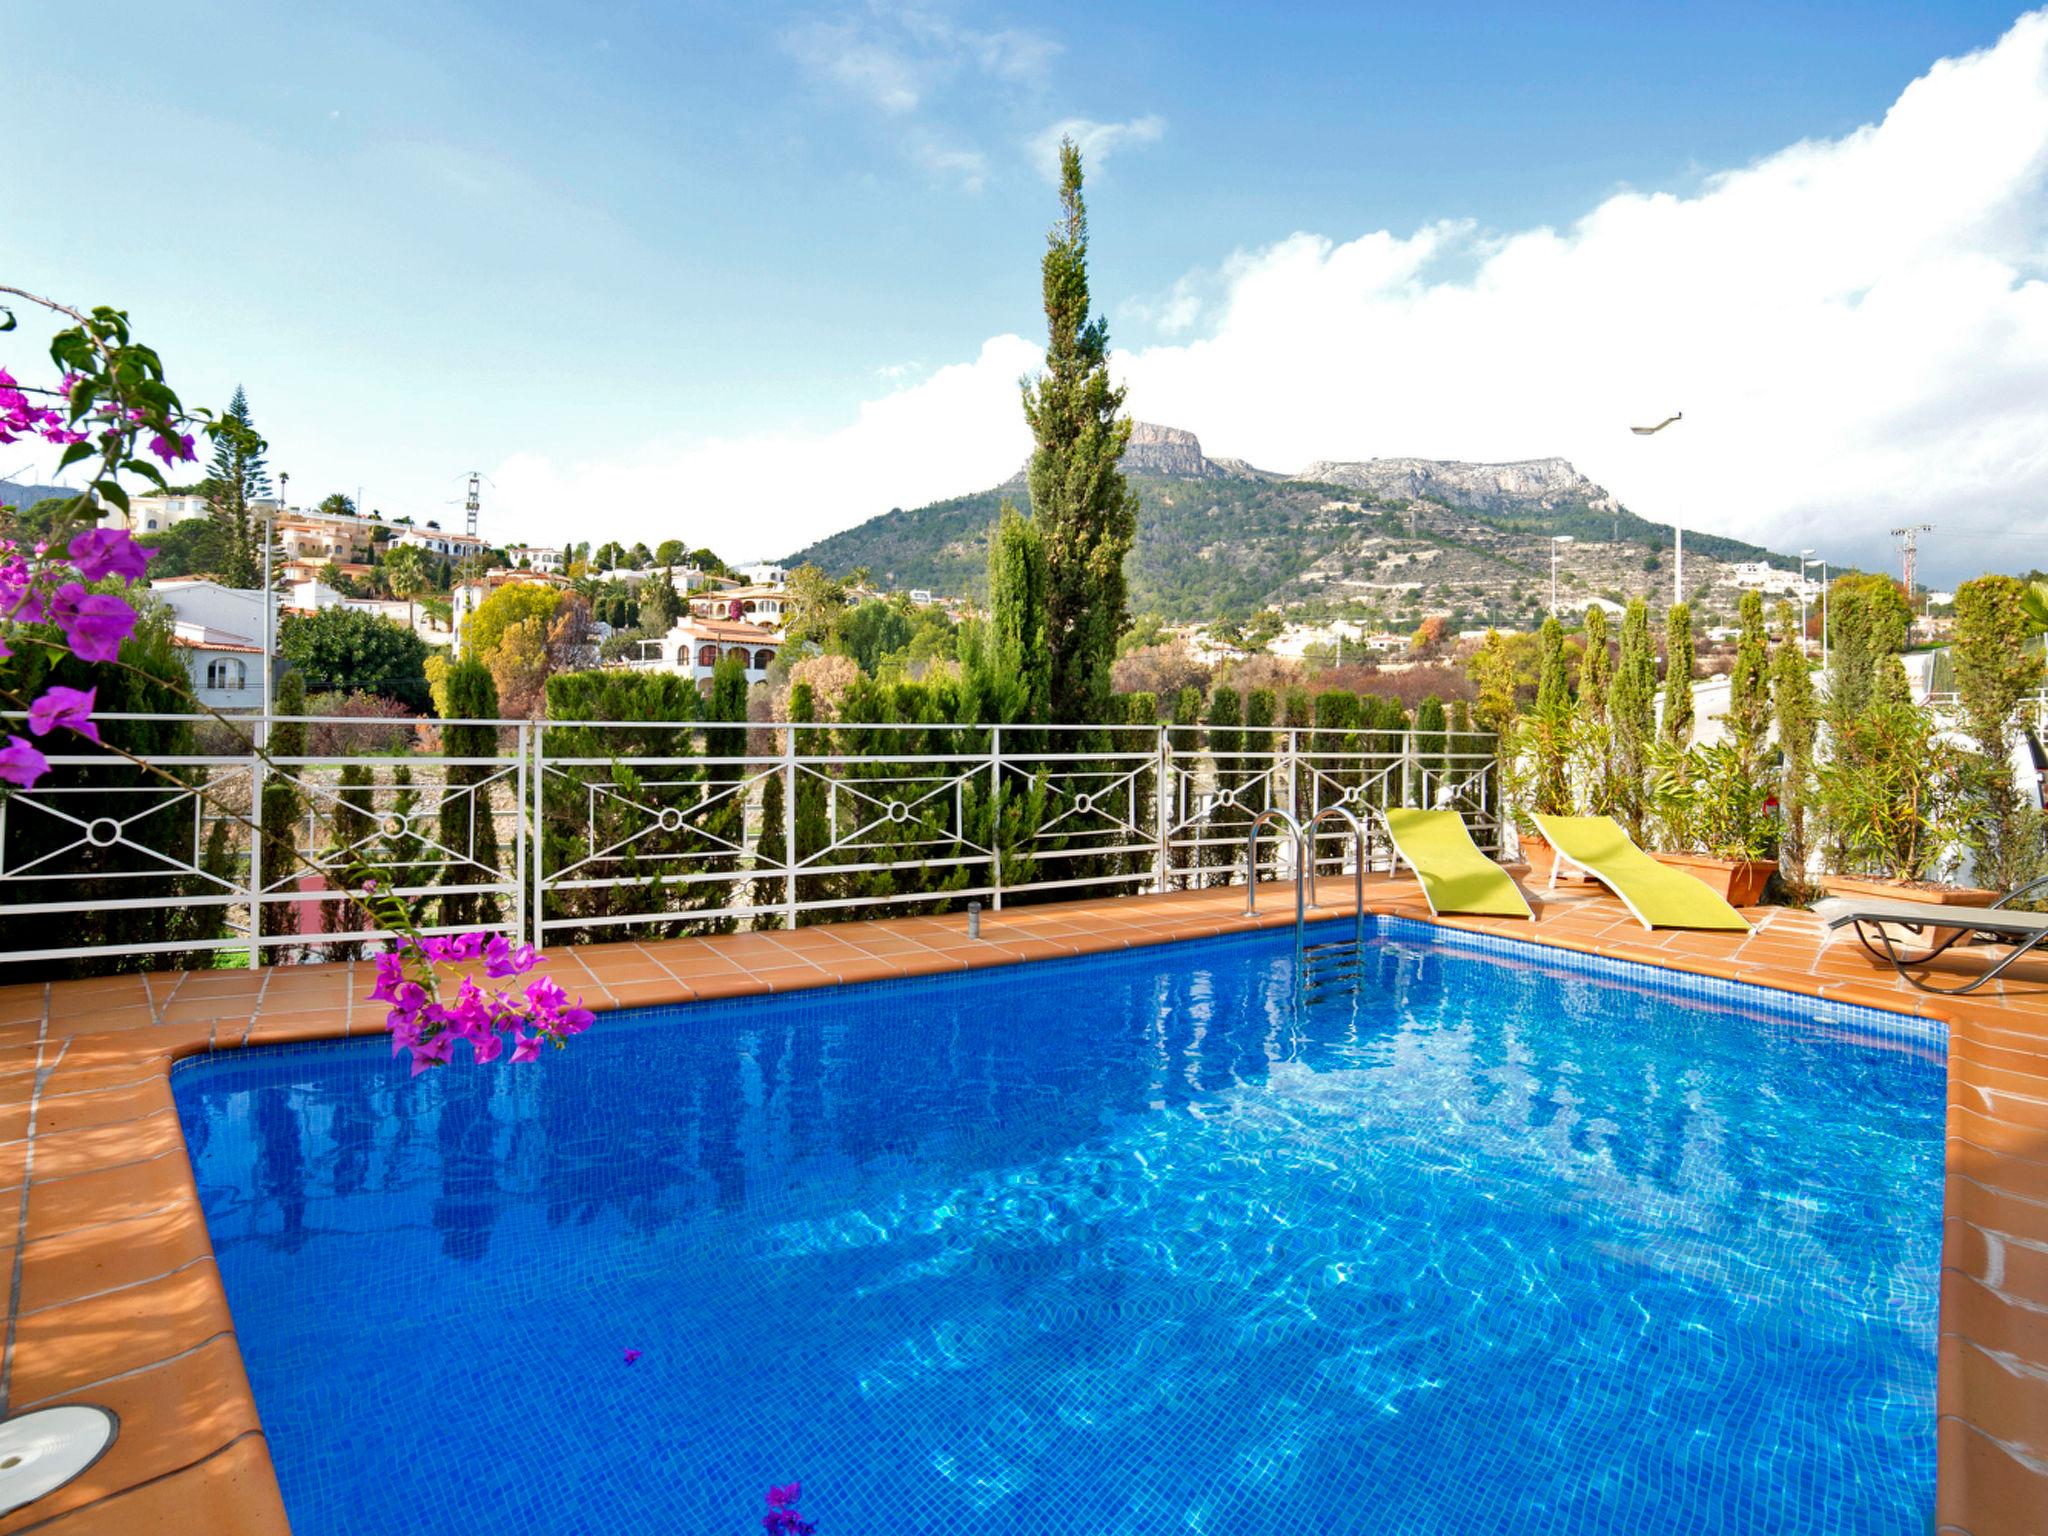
{"x": 1632, "y": 716}
{"x": 468, "y": 830}
{"x": 1085, "y": 513}
{"x": 1749, "y": 689}
{"x": 1678, "y": 667}
{"x": 237, "y": 476}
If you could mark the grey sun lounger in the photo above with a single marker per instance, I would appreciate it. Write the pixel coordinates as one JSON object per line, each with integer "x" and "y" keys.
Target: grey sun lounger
{"x": 2025, "y": 931}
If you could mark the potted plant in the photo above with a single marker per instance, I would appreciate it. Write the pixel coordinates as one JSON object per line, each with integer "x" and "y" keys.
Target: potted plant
{"x": 1713, "y": 821}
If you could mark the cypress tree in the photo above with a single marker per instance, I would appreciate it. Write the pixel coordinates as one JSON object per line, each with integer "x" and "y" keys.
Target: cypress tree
{"x": 1749, "y": 689}
{"x": 1430, "y": 727}
{"x": 283, "y": 805}
{"x": 1018, "y": 667}
{"x": 1596, "y": 670}
{"x": 1551, "y": 721}
{"x": 1084, "y": 511}
{"x": 1996, "y": 664}
{"x": 469, "y": 831}
{"x": 1226, "y": 822}
{"x": 1632, "y": 716}
{"x": 1793, "y": 702}
{"x": 1678, "y": 666}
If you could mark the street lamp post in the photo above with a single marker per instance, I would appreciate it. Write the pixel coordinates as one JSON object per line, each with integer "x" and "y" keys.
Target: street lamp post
{"x": 1805, "y": 559}
{"x": 1677, "y": 533}
{"x": 1555, "y": 540}
{"x": 1823, "y": 613}
{"x": 284, "y": 482}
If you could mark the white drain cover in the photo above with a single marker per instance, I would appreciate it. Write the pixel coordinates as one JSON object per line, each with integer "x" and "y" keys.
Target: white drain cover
{"x": 42, "y": 1451}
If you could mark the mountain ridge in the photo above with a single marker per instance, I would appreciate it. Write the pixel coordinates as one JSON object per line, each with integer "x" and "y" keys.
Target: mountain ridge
{"x": 1394, "y": 536}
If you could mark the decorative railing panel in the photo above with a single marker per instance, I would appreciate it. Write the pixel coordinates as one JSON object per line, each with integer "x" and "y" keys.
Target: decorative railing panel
{"x": 603, "y": 829}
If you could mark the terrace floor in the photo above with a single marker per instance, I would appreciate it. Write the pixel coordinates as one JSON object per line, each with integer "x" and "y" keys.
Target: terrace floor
{"x": 113, "y": 1297}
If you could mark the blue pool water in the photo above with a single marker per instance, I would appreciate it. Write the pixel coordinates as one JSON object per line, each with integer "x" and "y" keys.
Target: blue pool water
{"x": 1128, "y": 1244}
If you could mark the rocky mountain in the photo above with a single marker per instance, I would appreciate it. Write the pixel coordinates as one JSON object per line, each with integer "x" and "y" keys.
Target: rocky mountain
{"x": 1385, "y": 540}
{"x": 1545, "y": 484}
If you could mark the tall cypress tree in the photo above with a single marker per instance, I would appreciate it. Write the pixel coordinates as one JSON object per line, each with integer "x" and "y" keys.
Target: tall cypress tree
{"x": 1551, "y": 721}
{"x": 1749, "y": 688}
{"x": 1632, "y": 713}
{"x": 1019, "y": 666}
{"x": 1678, "y": 664}
{"x": 1086, "y": 514}
{"x": 468, "y": 830}
{"x": 1596, "y": 670}
{"x": 1793, "y": 701}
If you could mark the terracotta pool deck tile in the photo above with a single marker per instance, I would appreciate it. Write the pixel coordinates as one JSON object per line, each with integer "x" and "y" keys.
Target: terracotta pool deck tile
{"x": 58, "y": 1206}
{"x": 103, "y": 1174}
{"x": 107, "y": 1106}
{"x": 232, "y": 1490}
{"x": 2003, "y": 1496}
{"x": 104, "y": 1146}
{"x": 108, "y": 1255}
{"x": 160, "y": 1434}
{"x": 63, "y": 1348}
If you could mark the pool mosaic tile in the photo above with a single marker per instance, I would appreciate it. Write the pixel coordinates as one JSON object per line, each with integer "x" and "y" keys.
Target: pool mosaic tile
{"x": 1503, "y": 1239}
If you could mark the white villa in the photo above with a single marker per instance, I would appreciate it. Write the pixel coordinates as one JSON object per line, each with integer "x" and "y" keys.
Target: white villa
{"x": 761, "y": 604}
{"x": 696, "y": 645}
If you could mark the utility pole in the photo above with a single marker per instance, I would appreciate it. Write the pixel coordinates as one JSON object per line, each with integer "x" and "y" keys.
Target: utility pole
{"x": 1909, "y": 547}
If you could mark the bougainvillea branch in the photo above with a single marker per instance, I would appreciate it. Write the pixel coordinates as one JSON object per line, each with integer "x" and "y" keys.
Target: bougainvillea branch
{"x": 114, "y": 394}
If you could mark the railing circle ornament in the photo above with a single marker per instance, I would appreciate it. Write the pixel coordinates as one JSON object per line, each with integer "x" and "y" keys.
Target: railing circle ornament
{"x": 103, "y": 832}
{"x": 1353, "y": 794}
{"x": 393, "y": 825}
{"x": 898, "y": 811}
{"x": 1084, "y": 803}
{"x": 669, "y": 819}
{"x": 1226, "y": 797}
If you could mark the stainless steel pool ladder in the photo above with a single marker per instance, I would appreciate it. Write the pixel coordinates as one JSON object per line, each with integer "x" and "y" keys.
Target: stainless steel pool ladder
{"x": 1348, "y": 953}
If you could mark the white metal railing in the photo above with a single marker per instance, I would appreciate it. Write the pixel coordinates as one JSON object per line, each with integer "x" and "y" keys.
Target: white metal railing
{"x": 585, "y": 829}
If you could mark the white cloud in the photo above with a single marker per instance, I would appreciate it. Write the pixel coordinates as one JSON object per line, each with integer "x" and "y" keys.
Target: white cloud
{"x": 1856, "y": 330}
{"x": 1095, "y": 140}
{"x": 897, "y": 56}
{"x": 770, "y": 493}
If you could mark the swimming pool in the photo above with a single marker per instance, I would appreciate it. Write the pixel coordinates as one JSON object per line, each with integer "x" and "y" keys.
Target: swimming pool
{"x": 1502, "y": 1240}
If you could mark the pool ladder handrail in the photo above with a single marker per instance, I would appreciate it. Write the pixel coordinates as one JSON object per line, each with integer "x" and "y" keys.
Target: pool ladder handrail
{"x": 1358, "y": 836}
{"x": 1251, "y": 871}
{"x": 1303, "y": 854}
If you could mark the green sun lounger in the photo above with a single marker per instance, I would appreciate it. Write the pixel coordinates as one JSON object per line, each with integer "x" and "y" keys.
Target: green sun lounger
{"x": 1455, "y": 875}
{"x": 1658, "y": 895}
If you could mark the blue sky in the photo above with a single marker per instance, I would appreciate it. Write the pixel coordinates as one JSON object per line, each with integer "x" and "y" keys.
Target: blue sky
{"x": 430, "y": 237}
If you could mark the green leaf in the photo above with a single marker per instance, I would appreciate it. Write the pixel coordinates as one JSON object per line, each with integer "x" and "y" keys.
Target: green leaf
{"x": 111, "y": 489}
{"x": 74, "y": 453}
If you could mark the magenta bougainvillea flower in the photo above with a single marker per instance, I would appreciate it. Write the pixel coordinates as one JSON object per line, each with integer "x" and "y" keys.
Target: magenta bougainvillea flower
{"x": 103, "y": 552}
{"x": 423, "y": 1022}
{"x": 782, "y": 1518}
{"x": 95, "y": 623}
{"x": 67, "y": 709}
{"x": 21, "y": 764}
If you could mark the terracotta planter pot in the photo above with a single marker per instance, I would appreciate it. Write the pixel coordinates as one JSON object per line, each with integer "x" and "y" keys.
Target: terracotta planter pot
{"x": 1876, "y": 888}
{"x": 1740, "y": 882}
{"x": 1536, "y": 850}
